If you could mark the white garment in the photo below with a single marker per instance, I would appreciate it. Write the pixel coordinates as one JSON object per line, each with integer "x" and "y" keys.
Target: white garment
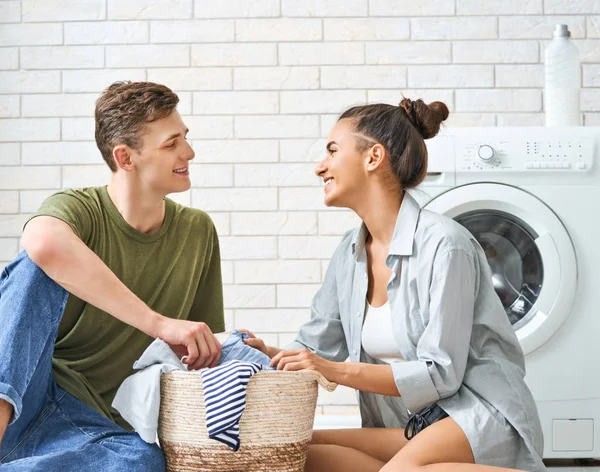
{"x": 377, "y": 334}
{"x": 138, "y": 397}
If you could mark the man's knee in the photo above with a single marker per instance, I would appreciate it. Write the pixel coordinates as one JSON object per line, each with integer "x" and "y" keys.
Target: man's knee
{"x": 136, "y": 455}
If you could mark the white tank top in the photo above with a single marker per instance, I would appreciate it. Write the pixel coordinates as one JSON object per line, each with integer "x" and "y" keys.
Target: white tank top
{"x": 377, "y": 338}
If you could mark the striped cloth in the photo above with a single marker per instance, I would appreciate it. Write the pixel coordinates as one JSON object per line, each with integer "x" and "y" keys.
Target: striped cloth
{"x": 224, "y": 389}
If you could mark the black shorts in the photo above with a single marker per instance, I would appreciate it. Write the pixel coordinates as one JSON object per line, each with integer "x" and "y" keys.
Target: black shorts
{"x": 418, "y": 421}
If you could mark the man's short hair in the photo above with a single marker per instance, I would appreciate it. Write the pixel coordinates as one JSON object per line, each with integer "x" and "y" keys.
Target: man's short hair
{"x": 124, "y": 109}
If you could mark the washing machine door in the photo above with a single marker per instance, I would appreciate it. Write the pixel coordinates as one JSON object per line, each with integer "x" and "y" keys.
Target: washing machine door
{"x": 529, "y": 251}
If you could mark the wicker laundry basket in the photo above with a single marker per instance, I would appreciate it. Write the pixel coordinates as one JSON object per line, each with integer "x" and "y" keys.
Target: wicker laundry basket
{"x": 275, "y": 428}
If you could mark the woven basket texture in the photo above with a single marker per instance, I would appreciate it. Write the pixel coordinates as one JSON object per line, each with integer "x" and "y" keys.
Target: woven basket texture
{"x": 275, "y": 428}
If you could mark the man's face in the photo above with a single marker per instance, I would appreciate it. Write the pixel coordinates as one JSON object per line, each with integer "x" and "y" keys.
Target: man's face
{"x": 161, "y": 165}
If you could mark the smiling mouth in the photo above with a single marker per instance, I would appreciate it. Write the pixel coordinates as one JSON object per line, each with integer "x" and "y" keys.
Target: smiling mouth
{"x": 328, "y": 181}
{"x": 181, "y": 171}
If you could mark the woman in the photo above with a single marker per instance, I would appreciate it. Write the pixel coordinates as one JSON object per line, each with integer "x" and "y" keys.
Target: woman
{"x": 409, "y": 298}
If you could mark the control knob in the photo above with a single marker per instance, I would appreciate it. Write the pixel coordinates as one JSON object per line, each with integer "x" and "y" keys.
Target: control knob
{"x": 485, "y": 153}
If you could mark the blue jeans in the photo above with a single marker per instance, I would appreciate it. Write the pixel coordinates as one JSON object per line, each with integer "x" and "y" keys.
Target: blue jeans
{"x": 51, "y": 430}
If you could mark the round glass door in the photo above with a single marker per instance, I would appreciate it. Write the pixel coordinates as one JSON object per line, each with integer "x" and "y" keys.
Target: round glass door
{"x": 514, "y": 259}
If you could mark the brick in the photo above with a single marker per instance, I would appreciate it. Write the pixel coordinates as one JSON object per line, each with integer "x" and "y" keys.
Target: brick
{"x": 235, "y": 103}
{"x": 307, "y": 247}
{"x": 11, "y": 226}
{"x": 10, "y": 12}
{"x": 461, "y": 120}
{"x": 591, "y": 119}
{"x": 63, "y": 10}
{"x": 9, "y": 201}
{"x": 29, "y": 129}
{"x": 495, "y": 52}
{"x": 395, "y": 8}
{"x": 59, "y": 105}
{"x": 593, "y": 27}
{"x": 209, "y": 127}
{"x": 510, "y": 100}
{"x": 235, "y": 199}
{"x": 520, "y": 75}
{"x": 211, "y": 175}
{"x": 192, "y": 31}
{"x": 236, "y": 9}
{"x": 590, "y": 99}
{"x": 302, "y": 150}
{"x": 278, "y": 223}
{"x": 278, "y": 271}
{"x": 320, "y": 101}
{"x": 591, "y": 75}
{"x": 15, "y": 178}
{"x": 10, "y": 106}
{"x": 553, "y": 7}
{"x": 193, "y": 78}
{"x": 57, "y": 153}
{"x": 451, "y": 76}
{"x": 343, "y": 53}
{"x": 505, "y": 7}
{"x": 248, "y": 247}
{"x": 296, "y": 295}
{"x": 277, "y": 126}
{"x": 271, "y": 320}
{"x": 454, "y": 28}
{"x": 9, "y": 59}
{"x": 275, "y": 78}
{"x": 535, "y": 27}
{"x": 96, "y": 81}
{"x": 227, "y": 272}
{"x": 62, "y": 57}
{"x": 275, "y": 175}
{"x": 85, "y": 175}
{"x": 147, "y": 56}
{"x": 31, "y": 200}
{"x": 149, "y": 9}
{"x": 520, "y": 119}
{"x": 31, "y": 34}
{"x": 393, "y": 97}
{"x": 278, "y": 29}
{"x": 285, "y": 339}
{"x": 220, "y": 220}
{"x": 408, "y": 52}
{"x": 256, "y": 54}
{"x": 589, "y": 49}
{"x": 349, "y": 77}
{"x": 336, "y": 223}
{"x": 10, "y": 154}
{"x": 249, "y": 296}
{"x": 106, "y": 32}
{"x": 365, "y": 29}
{"x": 77, "y": 129}
{"x": 301, "y": 198}
{"x": 328, "y": 122}
{"x": 29, "y": 81}
{"x": 241, "y": 150}
{"x": 324, "y": 8}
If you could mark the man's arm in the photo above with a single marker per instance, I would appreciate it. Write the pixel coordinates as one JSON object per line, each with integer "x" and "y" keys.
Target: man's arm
{"x": 65, "y": 258}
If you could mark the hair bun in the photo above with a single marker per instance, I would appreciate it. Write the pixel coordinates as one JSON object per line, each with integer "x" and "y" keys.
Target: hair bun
{"x": 427, "y": 119}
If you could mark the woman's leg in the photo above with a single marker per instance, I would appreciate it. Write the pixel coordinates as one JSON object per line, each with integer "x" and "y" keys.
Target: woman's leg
{"x": 349, "y": 450}
{"x": 441, "y": 447}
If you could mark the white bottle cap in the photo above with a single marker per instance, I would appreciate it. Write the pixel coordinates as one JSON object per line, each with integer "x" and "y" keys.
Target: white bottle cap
{"x": 562, "y": 31}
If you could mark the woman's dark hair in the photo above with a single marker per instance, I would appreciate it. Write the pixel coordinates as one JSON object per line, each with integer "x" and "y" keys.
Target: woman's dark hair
{"x": 401, "y": 130}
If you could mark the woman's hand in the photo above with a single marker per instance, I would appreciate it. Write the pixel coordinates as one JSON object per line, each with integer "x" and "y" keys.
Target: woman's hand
{"x": 255, "y": 342}
{"x": 303, "y": 359}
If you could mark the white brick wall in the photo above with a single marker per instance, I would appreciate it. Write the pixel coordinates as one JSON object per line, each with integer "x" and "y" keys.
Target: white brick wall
{"x": 261, "y": 82}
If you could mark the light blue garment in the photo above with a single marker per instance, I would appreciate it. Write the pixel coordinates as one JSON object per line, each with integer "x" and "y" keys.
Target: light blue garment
{"x": 458, "y": 346}
{"x": 234, "y": 348}
{"x": 224, "y": 389}
{"x": 51, "y": 430}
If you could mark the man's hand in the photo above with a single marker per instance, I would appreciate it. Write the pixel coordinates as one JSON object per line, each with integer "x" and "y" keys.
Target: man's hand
{"x": 193, "y": 340}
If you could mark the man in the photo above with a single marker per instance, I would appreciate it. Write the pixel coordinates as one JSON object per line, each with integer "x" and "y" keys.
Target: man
{"x": 104, "y": 272}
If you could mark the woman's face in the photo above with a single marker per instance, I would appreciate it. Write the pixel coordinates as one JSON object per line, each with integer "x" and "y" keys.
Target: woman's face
{"x": 343, "y": 169}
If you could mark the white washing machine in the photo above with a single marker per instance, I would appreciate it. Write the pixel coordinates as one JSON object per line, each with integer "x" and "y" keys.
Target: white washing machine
{"x": 531, "y": 196}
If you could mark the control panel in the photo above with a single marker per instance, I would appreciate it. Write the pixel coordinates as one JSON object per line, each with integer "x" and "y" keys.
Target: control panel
{"x": 562, "y": 154}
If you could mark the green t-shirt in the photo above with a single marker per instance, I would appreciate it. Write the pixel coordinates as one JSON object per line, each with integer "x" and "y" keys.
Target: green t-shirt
{"x": 176, "y": 271}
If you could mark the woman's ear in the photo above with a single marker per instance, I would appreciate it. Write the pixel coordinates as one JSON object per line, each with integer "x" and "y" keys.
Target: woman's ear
{"x": 376, "y": 156}
{"x": 122, "y": 157}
